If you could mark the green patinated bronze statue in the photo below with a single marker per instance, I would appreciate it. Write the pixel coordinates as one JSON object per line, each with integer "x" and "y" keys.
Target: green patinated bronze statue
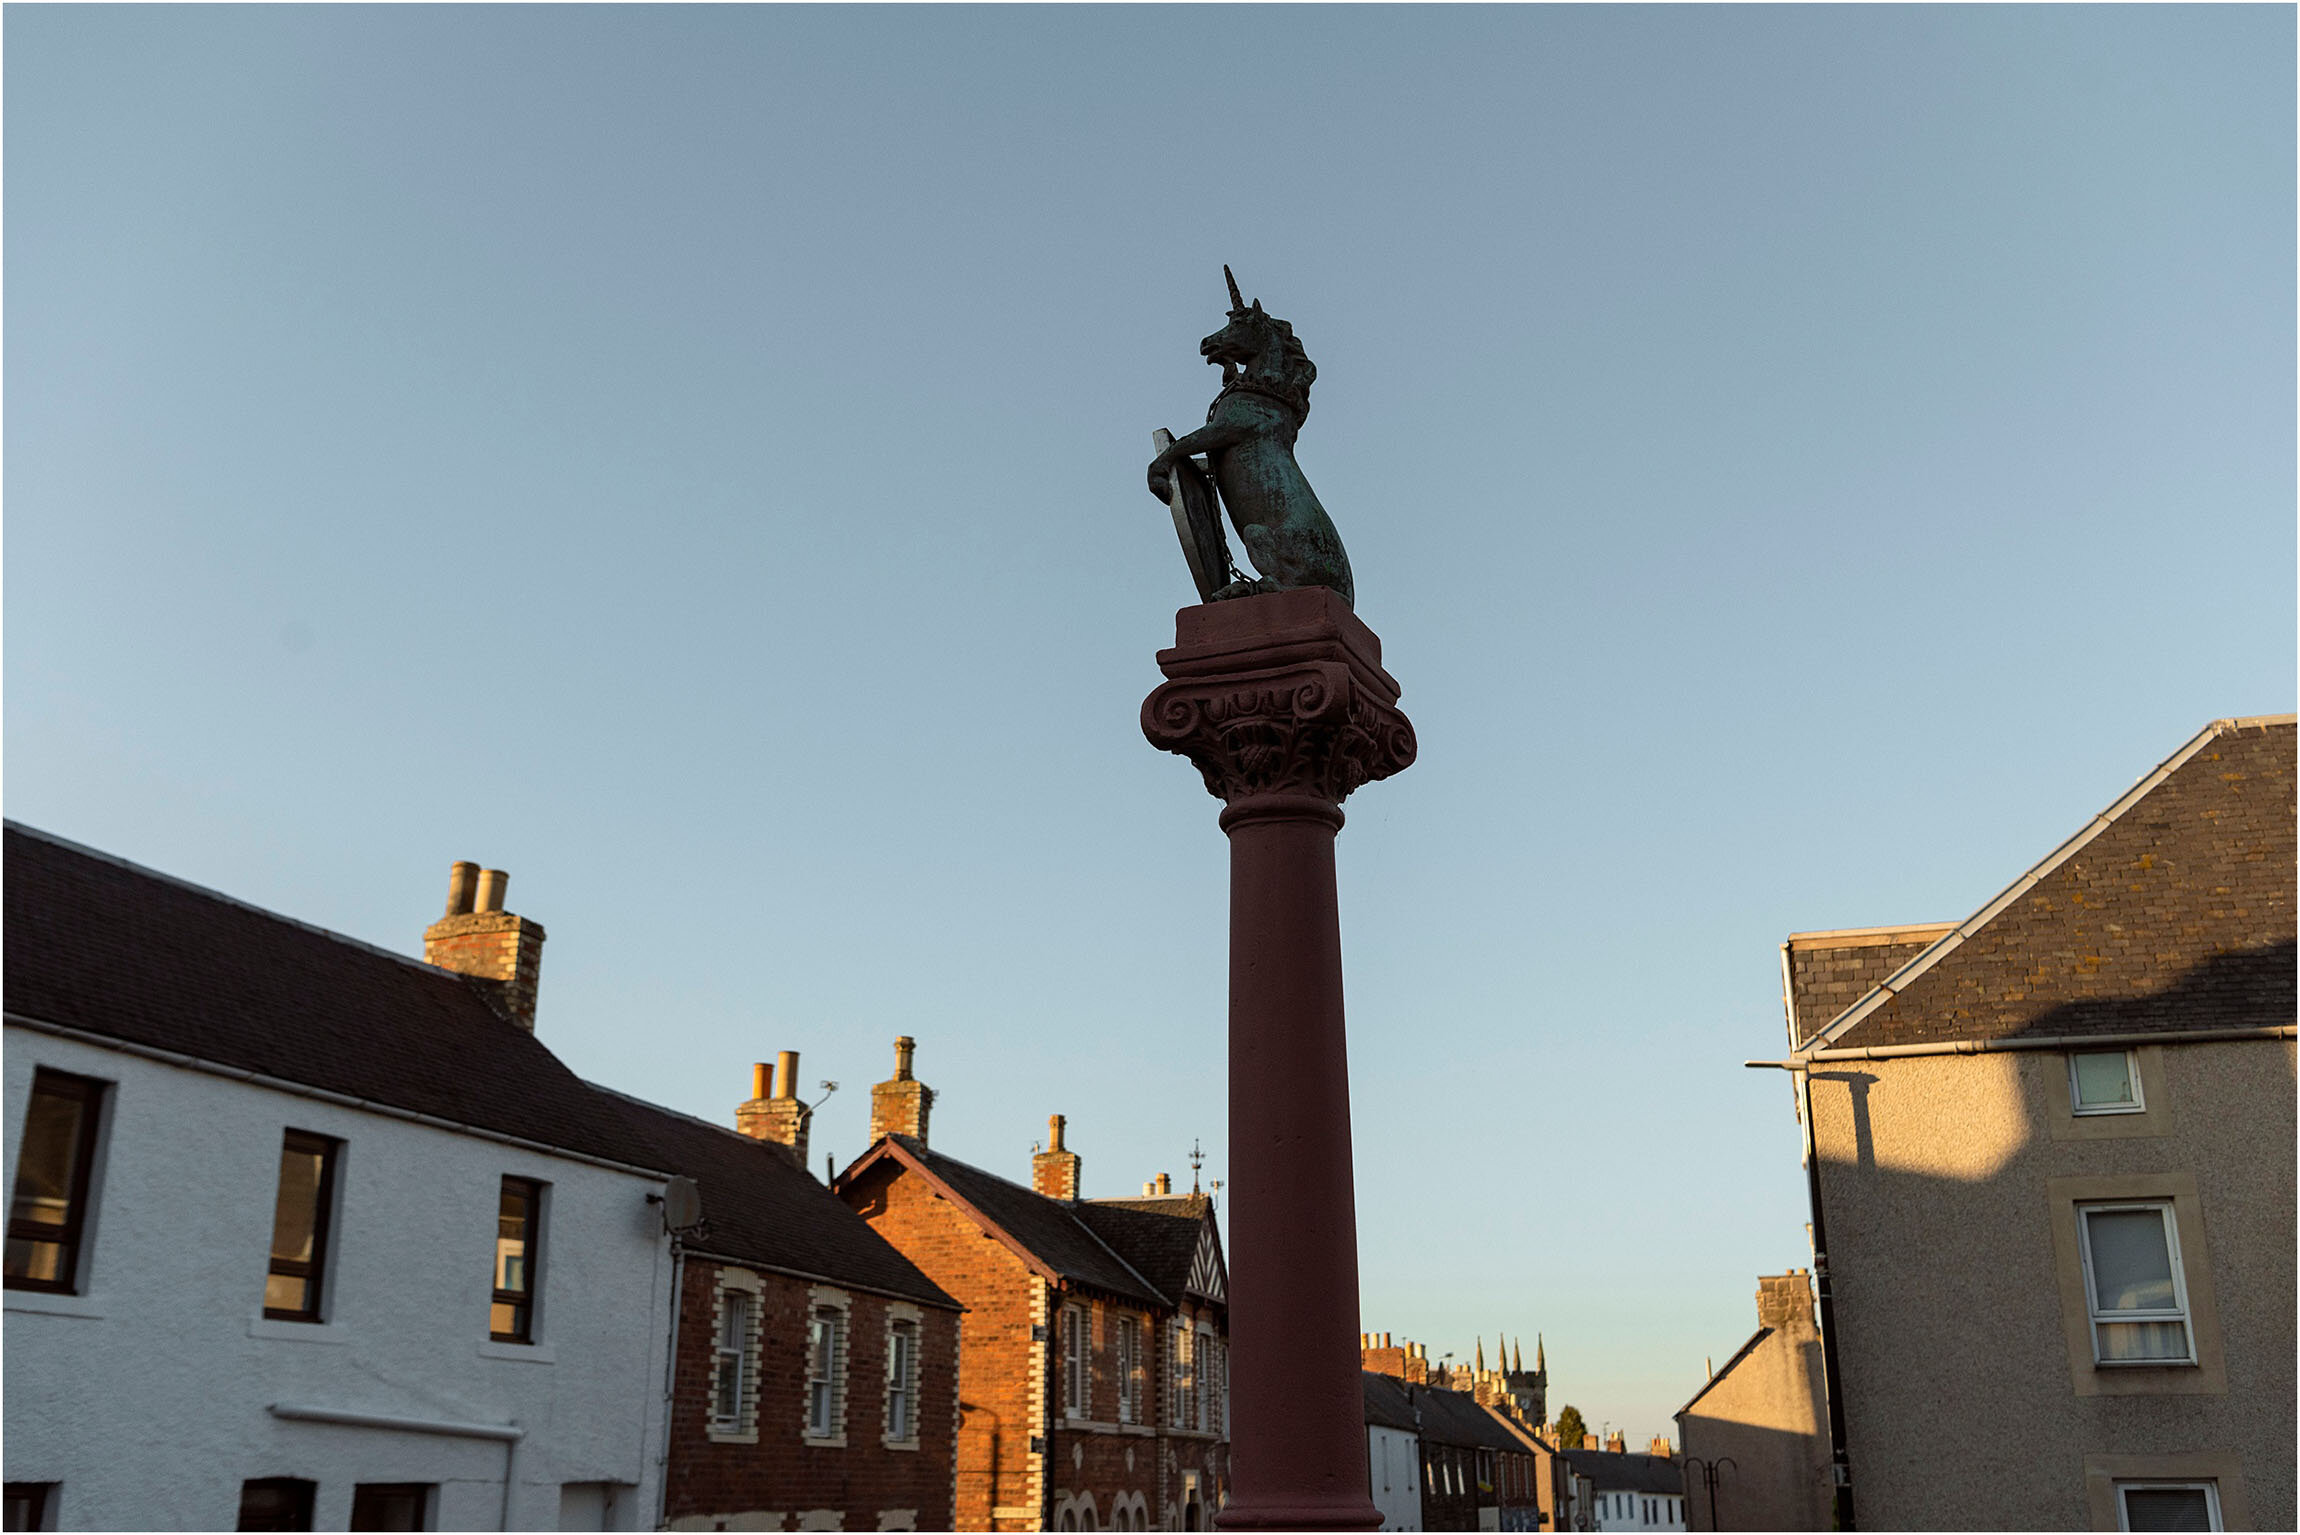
{"x": 1248, "y": 440}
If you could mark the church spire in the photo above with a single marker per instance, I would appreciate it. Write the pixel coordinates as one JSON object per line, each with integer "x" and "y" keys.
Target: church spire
{"x": 1517, "y": 1357}
{"x": 1481, "y": 1353}
{"x": 1540, "y": 1357}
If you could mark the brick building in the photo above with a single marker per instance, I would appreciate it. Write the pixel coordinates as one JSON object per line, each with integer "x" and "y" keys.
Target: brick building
{"x": 815, "y": 1383}
{"x": 1094, "y": 1388}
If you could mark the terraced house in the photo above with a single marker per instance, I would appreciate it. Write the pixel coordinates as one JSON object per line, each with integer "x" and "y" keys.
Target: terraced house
{"x": 2050, "y": 1151}
{"x": 1093, "y": 1388}
{"x": 305, "y": 1234}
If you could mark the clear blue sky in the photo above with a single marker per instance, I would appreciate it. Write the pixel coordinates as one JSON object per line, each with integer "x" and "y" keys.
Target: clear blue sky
{"x": 1802, "y": 462}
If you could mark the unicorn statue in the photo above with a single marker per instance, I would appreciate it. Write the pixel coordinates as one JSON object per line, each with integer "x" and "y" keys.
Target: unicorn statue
{"x": 1248, "y": 443}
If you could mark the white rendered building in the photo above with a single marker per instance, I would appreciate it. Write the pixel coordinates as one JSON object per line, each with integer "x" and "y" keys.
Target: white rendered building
{"x": 304, "y": 1234}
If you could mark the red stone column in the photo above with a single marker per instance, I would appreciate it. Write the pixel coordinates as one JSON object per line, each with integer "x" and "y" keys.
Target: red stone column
{"x": 1282, "y": 703}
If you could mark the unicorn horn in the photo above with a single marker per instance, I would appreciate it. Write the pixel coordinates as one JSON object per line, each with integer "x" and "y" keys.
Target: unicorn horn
{"x": 1237, "y": 299}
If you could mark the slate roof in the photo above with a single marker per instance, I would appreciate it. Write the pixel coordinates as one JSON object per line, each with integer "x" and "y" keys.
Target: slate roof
{"x": 105, "y": 947}
{"x": 1158, "y": 1238}
{"x": 1609, "y": 1472}
{"x": 1387, "y": 1404}
{"x": 1829, "y": 972}
{"x": 1454, "y": 1417}
{"x": 1044, "y": 1228}
{"x": 759, "y": 1208}
{"x": 2171, "y": 911}
{"x": 1739, "y": 1354}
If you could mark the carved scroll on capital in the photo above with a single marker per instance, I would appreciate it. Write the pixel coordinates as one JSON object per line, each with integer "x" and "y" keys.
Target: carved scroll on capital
{"x": 1313, "y": 728}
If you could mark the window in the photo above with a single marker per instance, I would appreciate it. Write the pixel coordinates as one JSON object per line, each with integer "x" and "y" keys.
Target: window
{"x": 28, "y": 1504}
{"x": 593, "y": 1505}
{"x": 2167, "y": 1506}
{"x": 1128, "y": 1344}
{"x": 2133, "y": 1284}
{"x": 299, "y": 1227}
{"x": 276, "y": 1503}
{"x": 49, "y": 1208}
{"x": 1202, "y": 1380}
{"x": 901, "y": 1381}
{"x": 2104, "y": 1082}
{"x": 826, "y": 1366}
{"x": 1074, "y": 1361}
{"x": 1186, "y": 1377}
{"x": 518, "y": 1222}
{"x": 390, "y": 1506}
{"x": 733, "y": 1359}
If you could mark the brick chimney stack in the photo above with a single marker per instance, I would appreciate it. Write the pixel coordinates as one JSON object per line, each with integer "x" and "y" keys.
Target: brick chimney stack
{"x": 1616, "y": 1443}
{"x": 1785, "y": 1303}
{"x": 478, "y": 938}
{"x": 774, "y": 1111}
{"x": 1660, "y": 1447}
{"x": 900, "y": 1104}
{"x": 1054, "y": 1171}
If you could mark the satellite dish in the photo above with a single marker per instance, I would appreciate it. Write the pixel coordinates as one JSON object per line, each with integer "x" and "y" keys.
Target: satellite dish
{"x": 682, "y": 1204}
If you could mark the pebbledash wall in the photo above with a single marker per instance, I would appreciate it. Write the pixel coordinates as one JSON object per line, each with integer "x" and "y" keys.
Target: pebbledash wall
{"x": 158, "y": 1384}
{"x": 1950, "y": 1183}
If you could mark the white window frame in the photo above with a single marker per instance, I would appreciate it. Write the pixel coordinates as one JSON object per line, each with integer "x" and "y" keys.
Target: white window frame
{"x": 905, "y": 1329}
{"x": 1126, "y": 1345}
{"x": 743, "y": 1428}
{"x": 2076, "y": 1104}
{"x": 734, "y": 1358}
{"x": 1075, "y": 1373}
{"x": 2209, "y": 1487}
{"x": 823, "y": 1410}
{"x": 2180, "y": 1311}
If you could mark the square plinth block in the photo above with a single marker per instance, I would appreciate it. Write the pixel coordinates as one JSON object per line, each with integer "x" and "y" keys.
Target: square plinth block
{"x": 1275, "y": 629}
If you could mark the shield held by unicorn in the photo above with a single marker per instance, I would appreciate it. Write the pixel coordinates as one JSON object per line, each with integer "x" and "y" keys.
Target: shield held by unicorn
{"x": 1248, "y": 444}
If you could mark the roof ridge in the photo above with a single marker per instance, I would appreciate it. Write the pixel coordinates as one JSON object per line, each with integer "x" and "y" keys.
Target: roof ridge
{"x": 1069, "y": 1213}
{"x": 669, "y": 1112}
{"x": 212, "y": 894}
{"x": 1948, "y": 943}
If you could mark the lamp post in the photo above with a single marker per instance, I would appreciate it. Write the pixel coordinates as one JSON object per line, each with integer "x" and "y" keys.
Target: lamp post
{"x": 1709, "y": 1470}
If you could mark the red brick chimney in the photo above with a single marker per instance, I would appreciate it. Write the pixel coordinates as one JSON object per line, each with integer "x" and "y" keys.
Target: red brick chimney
{"x": 480, "y": 939}
{"x": 774, "y": 1111}
{"x": 1617, "y": 1443}
{"x": 1054, "y": 1171}
{"x": 900, "y": 1104}
{"x": 1660, "y": 1447}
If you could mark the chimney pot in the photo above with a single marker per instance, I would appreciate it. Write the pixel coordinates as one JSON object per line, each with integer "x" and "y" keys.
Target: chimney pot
{"x": 762, "y": 1080}
{"x": 903, "y": 1046}
{"x": 786, "y": 1076}
{"x": 1165, "y": 1184}
{"x": 1054, "y": 1172}
{"x": 478, "y": 938}
{"x": 461, "y": 877}
{"x": 1149, "y": 1187}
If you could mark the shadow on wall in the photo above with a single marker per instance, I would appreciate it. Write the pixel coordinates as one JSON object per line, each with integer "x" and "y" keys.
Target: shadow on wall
{"x": 1966, "y": 1353}
{"x": 1776, "y": 1480}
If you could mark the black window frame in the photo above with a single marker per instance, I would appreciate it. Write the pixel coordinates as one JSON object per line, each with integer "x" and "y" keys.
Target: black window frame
{"x": 364, "y": 1495}
{"x": 70, "y": 1235}
{"x": 314, "y": 1271}
{"x": 303, "y": 1491}
{"x": 521, "y": 1301}
{"x": 36, "y": 1499}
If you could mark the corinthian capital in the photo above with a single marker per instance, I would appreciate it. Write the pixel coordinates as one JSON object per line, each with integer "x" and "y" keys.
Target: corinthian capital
{"x": 1279, "y": 695}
